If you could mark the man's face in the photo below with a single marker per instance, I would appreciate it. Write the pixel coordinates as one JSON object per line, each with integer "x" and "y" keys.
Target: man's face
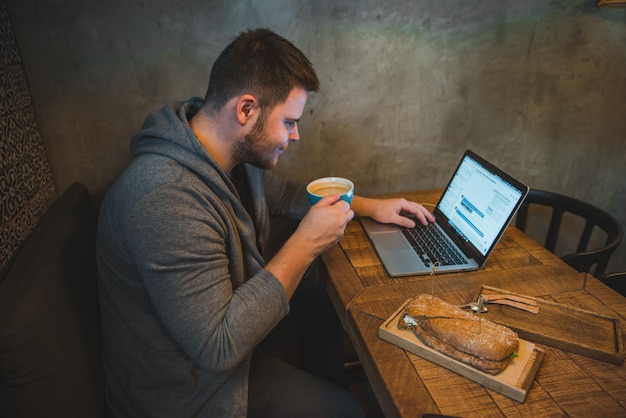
{"x": 272, "y": 132}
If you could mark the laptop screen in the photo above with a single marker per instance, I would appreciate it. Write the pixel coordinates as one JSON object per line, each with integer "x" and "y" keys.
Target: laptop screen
{"x": 479, "y": 201}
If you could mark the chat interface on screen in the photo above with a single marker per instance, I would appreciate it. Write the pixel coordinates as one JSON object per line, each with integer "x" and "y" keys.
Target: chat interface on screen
{"x": 478, "y": 203}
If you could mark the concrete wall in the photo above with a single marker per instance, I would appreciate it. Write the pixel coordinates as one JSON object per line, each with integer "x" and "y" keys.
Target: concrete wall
{"x": 536, "y": 86}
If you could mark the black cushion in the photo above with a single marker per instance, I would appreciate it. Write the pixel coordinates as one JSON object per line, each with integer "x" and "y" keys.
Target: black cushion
{"x": 50, "y": 358}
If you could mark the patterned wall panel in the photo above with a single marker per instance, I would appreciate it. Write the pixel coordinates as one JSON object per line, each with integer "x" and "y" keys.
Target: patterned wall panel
{"x": 26, "y": 185}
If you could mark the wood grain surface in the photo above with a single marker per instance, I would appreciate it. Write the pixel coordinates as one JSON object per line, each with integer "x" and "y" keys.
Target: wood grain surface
{"x": 407, "y": 385}
{"x": 563, "y": 326}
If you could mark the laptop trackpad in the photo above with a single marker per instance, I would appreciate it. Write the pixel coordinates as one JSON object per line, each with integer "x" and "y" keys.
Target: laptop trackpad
{"x": 392, "y": 241}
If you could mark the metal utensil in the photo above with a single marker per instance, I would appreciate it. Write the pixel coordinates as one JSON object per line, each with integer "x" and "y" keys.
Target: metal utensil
{"x": 474, "y": 307}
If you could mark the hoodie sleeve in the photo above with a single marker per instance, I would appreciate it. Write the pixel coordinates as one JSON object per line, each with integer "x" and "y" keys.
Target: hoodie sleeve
{"x": 195, "y": 269}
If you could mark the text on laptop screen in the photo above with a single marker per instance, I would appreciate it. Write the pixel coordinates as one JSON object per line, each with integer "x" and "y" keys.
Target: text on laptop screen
{"x": 478, "y": 203}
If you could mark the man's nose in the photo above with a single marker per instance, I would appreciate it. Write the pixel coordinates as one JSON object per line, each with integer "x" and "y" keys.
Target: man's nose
{"x": 294, "y": 135}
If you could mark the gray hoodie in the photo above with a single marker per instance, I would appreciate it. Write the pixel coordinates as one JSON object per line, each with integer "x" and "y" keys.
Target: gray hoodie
{"x": 184, "y": 296}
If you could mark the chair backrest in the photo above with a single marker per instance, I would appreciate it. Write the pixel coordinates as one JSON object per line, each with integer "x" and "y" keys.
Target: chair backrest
{"x": 616, "y": 281}
{"x": 584, "y": 258}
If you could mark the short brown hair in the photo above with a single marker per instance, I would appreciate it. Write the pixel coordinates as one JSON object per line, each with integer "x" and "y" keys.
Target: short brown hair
{"x": 261, "y": 63}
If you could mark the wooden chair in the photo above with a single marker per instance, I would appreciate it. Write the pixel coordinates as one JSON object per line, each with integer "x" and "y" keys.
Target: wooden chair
{"x": 616, "y": 281}
{"x": 583, "y": 258}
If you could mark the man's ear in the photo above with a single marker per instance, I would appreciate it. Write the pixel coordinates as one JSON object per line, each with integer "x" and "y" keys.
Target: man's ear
{"x": 247, "y": 107}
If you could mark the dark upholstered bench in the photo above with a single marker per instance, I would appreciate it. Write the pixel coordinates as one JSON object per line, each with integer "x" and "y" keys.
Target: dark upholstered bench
{"x": 50, "y": 356}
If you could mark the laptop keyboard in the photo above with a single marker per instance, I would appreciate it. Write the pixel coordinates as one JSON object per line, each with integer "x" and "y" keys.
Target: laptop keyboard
{"x": 432, "y": 246}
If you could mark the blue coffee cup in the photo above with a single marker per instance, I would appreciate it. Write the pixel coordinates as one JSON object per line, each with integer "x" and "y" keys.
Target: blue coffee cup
{"x": 330, "y": 186}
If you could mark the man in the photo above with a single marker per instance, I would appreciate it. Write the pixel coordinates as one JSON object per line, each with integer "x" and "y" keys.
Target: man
{"x": 185, "y": 293}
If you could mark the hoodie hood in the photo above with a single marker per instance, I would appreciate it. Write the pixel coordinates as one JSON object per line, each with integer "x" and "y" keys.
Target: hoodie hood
{"x": 166, "y": 132}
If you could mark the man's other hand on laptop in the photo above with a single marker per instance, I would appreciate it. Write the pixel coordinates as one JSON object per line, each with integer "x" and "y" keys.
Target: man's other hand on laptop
{"x": 391, "y": 211}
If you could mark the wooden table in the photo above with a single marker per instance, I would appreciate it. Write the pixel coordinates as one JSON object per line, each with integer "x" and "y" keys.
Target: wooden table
{"x": 407, "y": 385}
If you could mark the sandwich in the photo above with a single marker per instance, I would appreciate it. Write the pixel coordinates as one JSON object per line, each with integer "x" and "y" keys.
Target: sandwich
{"x": 459, "y": 334}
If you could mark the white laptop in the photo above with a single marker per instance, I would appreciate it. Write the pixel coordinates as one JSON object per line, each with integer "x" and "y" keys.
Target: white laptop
{"x": 474, "y": 211}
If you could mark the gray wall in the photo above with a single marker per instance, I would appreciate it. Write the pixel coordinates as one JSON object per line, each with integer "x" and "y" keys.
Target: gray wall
{"x": 536, "y": 86}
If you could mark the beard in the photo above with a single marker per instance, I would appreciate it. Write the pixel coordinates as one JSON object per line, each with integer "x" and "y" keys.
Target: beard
{"x": 256, "y": 148}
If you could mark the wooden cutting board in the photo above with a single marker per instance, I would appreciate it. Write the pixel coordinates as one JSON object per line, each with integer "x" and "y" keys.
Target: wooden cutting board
{"x": 561, "y": 326}
{"x": 515, "y": 381}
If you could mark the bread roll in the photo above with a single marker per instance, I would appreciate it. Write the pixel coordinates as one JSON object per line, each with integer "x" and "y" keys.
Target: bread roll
{"x": 460, "y": 334}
